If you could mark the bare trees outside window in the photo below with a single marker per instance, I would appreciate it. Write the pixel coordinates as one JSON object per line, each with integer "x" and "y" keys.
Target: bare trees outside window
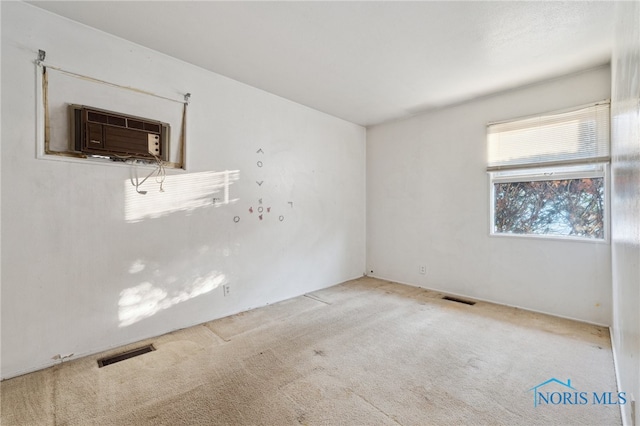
{"x": 567, "y": 207}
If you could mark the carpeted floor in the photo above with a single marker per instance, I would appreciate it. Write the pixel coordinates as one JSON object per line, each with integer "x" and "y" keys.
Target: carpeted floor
{"x": 366, "y": 352}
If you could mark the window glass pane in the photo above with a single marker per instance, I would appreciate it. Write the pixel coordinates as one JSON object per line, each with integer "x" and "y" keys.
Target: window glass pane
{"x": 567, "y": 207}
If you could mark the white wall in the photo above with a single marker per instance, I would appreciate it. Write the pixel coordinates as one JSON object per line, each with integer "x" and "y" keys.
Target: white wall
{"x": 79, "y": 275}
{"x": 626, "y": 202}
{"x": 428, "y": 204}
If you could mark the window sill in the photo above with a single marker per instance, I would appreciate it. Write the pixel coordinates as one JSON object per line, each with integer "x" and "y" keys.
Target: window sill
{"x": 68, "y": 158}
{"x": 549, "y": 237}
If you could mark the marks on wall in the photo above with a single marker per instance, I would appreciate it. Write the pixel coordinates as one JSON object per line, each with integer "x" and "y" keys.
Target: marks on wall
{"x": 188, "y": 192}
{"x": 261, "y": 209}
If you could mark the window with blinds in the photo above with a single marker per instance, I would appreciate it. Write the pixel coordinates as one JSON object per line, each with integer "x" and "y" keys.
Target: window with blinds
{"x": 548, "y": 174}
{"x": 581, "y": 135}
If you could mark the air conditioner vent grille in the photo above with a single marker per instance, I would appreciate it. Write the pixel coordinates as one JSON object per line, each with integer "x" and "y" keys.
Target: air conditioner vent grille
{"x": 455, "y": 299}
{"x": 103, "y": 362}
{"x": 105, "y": 133}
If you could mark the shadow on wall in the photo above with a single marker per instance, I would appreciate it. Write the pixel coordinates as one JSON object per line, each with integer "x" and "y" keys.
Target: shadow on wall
{"x": 177, "y": 193}
{"x": 146, "y": 299}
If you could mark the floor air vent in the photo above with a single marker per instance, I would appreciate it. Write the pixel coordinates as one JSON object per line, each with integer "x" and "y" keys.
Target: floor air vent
{"x": 455, "y": 299}
{"x": 126, "y": 355}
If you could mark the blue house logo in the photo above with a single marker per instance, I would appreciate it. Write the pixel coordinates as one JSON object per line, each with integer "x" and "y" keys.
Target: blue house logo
{"x": 571, "y": 396}
{"x": 536, "y": 394}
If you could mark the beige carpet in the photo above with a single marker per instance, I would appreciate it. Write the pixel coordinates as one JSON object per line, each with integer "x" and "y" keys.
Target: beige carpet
{"x": 367, "y": 352}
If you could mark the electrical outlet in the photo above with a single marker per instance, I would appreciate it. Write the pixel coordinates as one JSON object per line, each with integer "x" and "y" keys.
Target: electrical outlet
{"x": 226, "y": 289}
{"x": 423, "y": 269}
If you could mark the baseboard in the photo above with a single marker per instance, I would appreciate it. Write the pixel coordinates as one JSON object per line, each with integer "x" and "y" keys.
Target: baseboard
{"x": 94, "y": 351}
{"x": 479, "y": 299}
{"x": 623, "y": 408}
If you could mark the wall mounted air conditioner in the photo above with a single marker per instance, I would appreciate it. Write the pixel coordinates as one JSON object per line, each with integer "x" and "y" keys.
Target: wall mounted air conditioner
{"x": 96, "y": 132}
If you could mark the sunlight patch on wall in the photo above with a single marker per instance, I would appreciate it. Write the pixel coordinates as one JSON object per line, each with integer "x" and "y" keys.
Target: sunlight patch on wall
{"x": 137, "y": 266}
{"x": 145, "y": 299}
{"x": 179, "y": 193}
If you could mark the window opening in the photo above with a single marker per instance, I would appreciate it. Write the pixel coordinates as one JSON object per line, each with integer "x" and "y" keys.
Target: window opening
{"x": 548, "y": 174}
{"x": 99, "y": 133}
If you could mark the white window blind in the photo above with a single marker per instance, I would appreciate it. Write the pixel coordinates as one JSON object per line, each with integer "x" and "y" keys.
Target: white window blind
{"x": 581, "y": 135}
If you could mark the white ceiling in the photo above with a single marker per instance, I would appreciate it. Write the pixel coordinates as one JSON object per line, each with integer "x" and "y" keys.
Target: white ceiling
{"x": 366, "y": 62}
